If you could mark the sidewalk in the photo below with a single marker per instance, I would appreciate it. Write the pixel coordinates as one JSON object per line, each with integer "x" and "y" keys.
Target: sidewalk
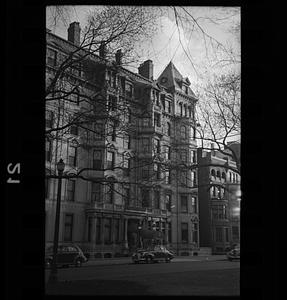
{"x": 128, "y": 260}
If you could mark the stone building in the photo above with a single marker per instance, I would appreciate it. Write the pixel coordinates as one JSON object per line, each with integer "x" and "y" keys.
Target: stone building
{"x": 128, "y": 148}
{"x": 219, "y": 209}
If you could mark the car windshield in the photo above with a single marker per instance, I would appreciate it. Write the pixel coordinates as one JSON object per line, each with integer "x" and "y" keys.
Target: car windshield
{"x": 160, "y": 248}
{"x": 156, "y": 248}
{"x": 140, "y": 250}
{"x": 62, "y": 248}
{"x": 50, "y": 248}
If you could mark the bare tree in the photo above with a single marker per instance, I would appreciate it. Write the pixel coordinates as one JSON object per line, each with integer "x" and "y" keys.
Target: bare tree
{"x": 194, "y": 23}
{"x": 110, "y": 29}
{"x": 219, "y": 113}
{"x": 107, "y": 30}
{"x": 58, "y": 14}
{"x": 119, "y": 27}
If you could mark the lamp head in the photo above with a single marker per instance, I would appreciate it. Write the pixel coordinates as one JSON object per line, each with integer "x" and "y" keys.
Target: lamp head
{"x": 60, "y": 166}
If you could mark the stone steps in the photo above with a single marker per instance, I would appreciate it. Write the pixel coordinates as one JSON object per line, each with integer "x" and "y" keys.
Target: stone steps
{"x": 205, "y": 251}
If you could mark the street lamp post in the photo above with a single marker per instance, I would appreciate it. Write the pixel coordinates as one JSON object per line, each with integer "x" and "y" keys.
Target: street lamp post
{"x": 139, "y": 235}
{"x": 54, "y": 273}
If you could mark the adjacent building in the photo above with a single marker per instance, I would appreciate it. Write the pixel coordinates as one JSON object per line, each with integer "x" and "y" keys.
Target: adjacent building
{"x": 128, "y": 142}
{"x": 219, "y": 203}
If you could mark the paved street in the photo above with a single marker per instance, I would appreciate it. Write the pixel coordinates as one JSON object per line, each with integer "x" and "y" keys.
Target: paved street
{"x": 180, "y": 277}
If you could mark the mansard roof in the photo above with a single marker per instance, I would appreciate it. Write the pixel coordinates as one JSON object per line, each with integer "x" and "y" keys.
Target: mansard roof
{"x": 172, "y": 78}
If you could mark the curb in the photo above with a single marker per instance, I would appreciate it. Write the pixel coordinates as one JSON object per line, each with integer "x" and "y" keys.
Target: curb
{"x": 111, "y": 261}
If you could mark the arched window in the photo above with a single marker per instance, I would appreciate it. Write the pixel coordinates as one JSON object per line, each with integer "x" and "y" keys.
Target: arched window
{"x": 213, "y": 191}
{"x": 185, "y": 110}
{"x": 75, "y": 96}
{"x": 222, "y": 193}
{"x": 192, "y": 132}
{"x": 218, "y": 174}
{"x": 168, "y": 129}
{"x": 180, "y": 108}
{"x": 223, "y": 176}
{"x": 183, "y": 155}
{"x": 218, "y": 190}
{"x": 183, "y": 131}
{"x": 190, "y": 111}
{"x": 212, "y": 172}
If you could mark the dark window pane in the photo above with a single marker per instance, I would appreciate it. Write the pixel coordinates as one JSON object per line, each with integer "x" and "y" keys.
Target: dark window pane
{"x": 68, "y": 227}
{"x": 96, "y": 192}
{"x": 183, "y": 202}
{"x": 71, "y": 190}
{"x": 184, "y": 232}
{"x": 145, "y": 198}
{"x": 157, "y": 199}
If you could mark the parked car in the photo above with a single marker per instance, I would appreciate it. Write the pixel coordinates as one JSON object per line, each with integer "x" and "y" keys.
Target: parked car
{"x": 156, "y": 254}
{"x": 233, "y": 253}
{"x": 68, "y": 254}
{"x": 233, "y": 246}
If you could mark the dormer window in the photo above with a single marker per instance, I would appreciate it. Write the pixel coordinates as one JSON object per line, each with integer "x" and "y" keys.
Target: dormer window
{"x": 162, "y": 98}
{"x": 129, "y": 90}
{"x": 168, "y": 106}
{"x": 186, "y": 89}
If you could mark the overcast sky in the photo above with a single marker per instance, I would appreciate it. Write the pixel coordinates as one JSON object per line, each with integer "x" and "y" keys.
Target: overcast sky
{"x": 165, "y": 45}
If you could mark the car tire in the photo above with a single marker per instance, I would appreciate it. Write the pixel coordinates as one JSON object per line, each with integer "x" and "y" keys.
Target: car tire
{"x": 78, "y": 263}
{"x": 167, "y": 260}
{"x": 149, "y": 260}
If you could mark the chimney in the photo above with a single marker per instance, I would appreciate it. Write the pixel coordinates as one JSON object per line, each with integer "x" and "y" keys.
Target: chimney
{"x": 212, "y": 149}
{"x": 103, "y": 50}
{"x": 119, "y": 56}
{"x": 74, "y": 33}
{"x": 146, "y": 69}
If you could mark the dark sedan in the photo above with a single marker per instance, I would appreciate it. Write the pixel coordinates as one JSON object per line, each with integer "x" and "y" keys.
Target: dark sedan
{"x": 233, "y": 254}
{"x": 68, "y": 254}
{"x": 156, "y": 254}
